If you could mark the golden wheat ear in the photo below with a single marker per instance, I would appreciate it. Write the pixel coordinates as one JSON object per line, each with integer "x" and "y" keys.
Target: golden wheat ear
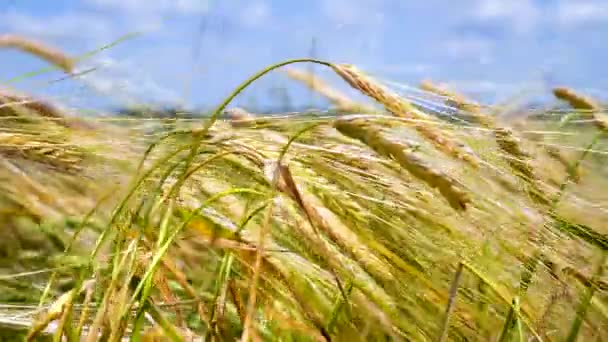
{"x": 422, "y": 122}
{"x": 239, "y": 117}
{"x": 373, "y": 137}
{"x": 338, "y": 99}
{"x": 515, "y": 153}
{"x": 460, "y": 102}
{"x": 38, "y": 49}
{"x": 575, "y": 99}
{"x": 584, "y": 103}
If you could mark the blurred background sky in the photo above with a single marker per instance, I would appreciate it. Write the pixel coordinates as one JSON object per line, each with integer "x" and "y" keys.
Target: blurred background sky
{"x": 194, "y": 52}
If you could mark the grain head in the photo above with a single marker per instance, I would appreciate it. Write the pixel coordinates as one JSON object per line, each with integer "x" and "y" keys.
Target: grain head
{"x": 422, "y": 122}
{"x": 341, "y": 101}
{"x": 43, "y": 51}
{"x": 587, "y": 105}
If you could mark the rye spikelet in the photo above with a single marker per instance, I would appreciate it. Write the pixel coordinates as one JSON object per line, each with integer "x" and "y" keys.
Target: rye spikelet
{"x": 585, "y": 104}
{"x": 373, "y": 137}
{"x": 341, "y": 101}
{"x": 422, "y": 122}
{"x": 45, "y": 52}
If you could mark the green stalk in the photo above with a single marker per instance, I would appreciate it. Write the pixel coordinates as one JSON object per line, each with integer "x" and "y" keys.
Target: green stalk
{"x": 451, "y": 301}
{"x": 340, "y": 302}
{"x": 78, "y": 59}
{"x": 511, "y": 315}
{"x": 139, "y": 290}
{"x": 585, "y": 302}
{"x": 532, "y": 263}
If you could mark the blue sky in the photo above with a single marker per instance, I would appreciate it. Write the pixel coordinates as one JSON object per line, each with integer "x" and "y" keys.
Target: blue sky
{"x": 193, "y": 52}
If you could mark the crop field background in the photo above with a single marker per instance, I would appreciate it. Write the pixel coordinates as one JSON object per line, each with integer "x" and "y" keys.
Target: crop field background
{"x": 393, "y": 212}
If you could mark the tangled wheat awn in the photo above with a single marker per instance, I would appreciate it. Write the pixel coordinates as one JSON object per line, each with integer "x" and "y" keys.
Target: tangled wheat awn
{"x": 398, "y": 107}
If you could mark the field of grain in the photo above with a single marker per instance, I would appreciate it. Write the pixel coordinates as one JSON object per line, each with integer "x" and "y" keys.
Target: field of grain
{"x": 382, "y": 220}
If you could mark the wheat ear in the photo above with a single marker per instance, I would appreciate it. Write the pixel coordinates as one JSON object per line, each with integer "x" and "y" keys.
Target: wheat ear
{"x": 460, "y": 102}
{"x": 341, "y": 101}
{"x": 585, "y": 104}
{"x": 15, "y": 104}
{"x": 49, "y": 153}
{"x": 422, "y": 122}
{"x": 373, "y": 137}
{"x": 517, "y": 157}
{"x": 45, "y": 52}
{"x": 239, "y": 117}
{"x": 504, "y": 137}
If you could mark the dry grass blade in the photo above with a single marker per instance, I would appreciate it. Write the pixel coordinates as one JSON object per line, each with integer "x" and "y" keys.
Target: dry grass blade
{"x": 422, "y": 122}
{"x": 50, "y": 54}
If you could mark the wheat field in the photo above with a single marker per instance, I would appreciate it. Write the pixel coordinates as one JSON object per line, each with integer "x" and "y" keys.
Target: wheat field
{"x": 382, "y": 220}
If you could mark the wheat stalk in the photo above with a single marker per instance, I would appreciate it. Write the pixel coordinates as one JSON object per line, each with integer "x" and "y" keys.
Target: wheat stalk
{"x": 585, "y": 104}
{"x": 371, "y": 136}
{"x": 341, "y": 101}
{"x": 45, "y": 52}
{"x": 422, "y": 122}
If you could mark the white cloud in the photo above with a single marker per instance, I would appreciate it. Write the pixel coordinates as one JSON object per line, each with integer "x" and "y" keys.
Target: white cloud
{"x": 166, "y": 6}
{"x": 413, "y": 68}
{"x": 77, "y": 25}
{"x": 574, "y": 13}
{"x": 349, "y": 12}
{"x": 67, "y": 25}
{"x": 522, "y": 16}
{"x": 482, "y": 86}
{"x": 470, "y": 48}
{"x": 122, "y": 79}
{"x": 255, "y": 13}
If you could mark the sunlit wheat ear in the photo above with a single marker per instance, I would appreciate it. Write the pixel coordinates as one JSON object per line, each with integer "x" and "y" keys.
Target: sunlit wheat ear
{"x": 583, "y": 103}
{"x": 239, "y": 117}
{"x": 341, "y": 101}
{"x": 372, "y": 136}
{"x": 15, "y": 104}
{"x": 49, "y": 54}
{"x": 10, "y": 100}
{"x": 515, "y": 153}
{"x": 320, "y": 222}
{"x": 49, "y": 153}
{"x": 422, "y": 122}
{"x": 458, "y": 101}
